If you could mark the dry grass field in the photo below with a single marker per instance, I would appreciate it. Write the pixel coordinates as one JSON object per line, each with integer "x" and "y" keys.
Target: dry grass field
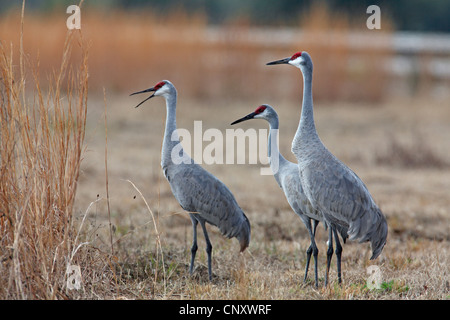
{"x": 415, "y": 200}
{"x": 107, "y": 208}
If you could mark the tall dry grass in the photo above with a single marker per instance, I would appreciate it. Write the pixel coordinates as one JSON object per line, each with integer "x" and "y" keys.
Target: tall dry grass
{"x": 41, "y": 136}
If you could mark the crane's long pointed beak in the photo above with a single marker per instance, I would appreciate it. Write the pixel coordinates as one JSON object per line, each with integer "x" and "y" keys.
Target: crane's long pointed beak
{"x": 144, "y": 91}
{"x": 247, "y": 117}
{"x": 282, "y": 61}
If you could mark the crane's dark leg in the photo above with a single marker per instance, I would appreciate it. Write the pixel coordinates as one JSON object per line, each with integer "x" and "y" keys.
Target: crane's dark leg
{"x": 338, "y": 254}
{"x": 311, "y": 250}
{"x": 194, "y": 243}
{"x": 208, "y": 248}
{"x": 329, "y": 252}
{"x": 315, "y": 252}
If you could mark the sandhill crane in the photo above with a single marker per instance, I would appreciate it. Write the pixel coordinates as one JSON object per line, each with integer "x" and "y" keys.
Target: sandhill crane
{"x": 287, "y": 177}
{"x": 331, "y": 187}
{"x": 197, "y": 191}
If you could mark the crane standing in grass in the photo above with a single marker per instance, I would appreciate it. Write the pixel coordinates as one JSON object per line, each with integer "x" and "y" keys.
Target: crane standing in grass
{"x": 197, "y": 191}
{"x": 287, "y": 177}
{"x": 330, "y": 186}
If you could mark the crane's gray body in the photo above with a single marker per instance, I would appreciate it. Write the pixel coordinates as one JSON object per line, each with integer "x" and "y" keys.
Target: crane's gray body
{"x": 197, "y": 191}
{"x": 208, "y": 199}
{"x": 343, "y": 199}
{"x": 289, "y": 180}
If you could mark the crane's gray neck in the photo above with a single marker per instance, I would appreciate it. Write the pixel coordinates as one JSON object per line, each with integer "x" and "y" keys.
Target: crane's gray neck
{"x": 276, "y": 159}
{"x": 307, "y": 125}
{"x": 171, "y": 138}
{"x": 306, "y": 130}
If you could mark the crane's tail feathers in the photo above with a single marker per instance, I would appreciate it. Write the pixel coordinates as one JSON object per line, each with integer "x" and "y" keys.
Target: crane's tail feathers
{"x": 239, "y": 229}
{"x": 379, "y": 240}
{"x": 244, "y": 234}
{"x": 371, "y": 226}
{"x": 343, "y": 231}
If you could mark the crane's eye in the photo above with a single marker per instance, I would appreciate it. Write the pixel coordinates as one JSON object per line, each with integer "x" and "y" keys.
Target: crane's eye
{"x": 260, "y": 109}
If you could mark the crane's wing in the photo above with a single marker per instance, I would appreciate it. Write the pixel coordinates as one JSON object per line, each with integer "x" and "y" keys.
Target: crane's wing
{"x": 292, "y": 187}
{"x": 199, "y": 192}
{"x": 301, "y": 205}
{"x": 342, "y": 197}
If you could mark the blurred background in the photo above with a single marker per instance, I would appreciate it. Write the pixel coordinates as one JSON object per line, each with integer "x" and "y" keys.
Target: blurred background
{"x": 217, "y": 49}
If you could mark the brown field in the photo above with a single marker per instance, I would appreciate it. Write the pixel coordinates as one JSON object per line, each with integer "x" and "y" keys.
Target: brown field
{"x": 134, "y": 242}
{"x": 415, "y": 200}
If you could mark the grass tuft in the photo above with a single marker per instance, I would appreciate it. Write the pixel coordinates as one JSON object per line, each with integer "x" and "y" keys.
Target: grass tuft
{"x": 41, "y": 148}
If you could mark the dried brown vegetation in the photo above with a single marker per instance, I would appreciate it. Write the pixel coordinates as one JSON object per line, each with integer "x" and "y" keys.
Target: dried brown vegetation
{"x": 42, "y": 139}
